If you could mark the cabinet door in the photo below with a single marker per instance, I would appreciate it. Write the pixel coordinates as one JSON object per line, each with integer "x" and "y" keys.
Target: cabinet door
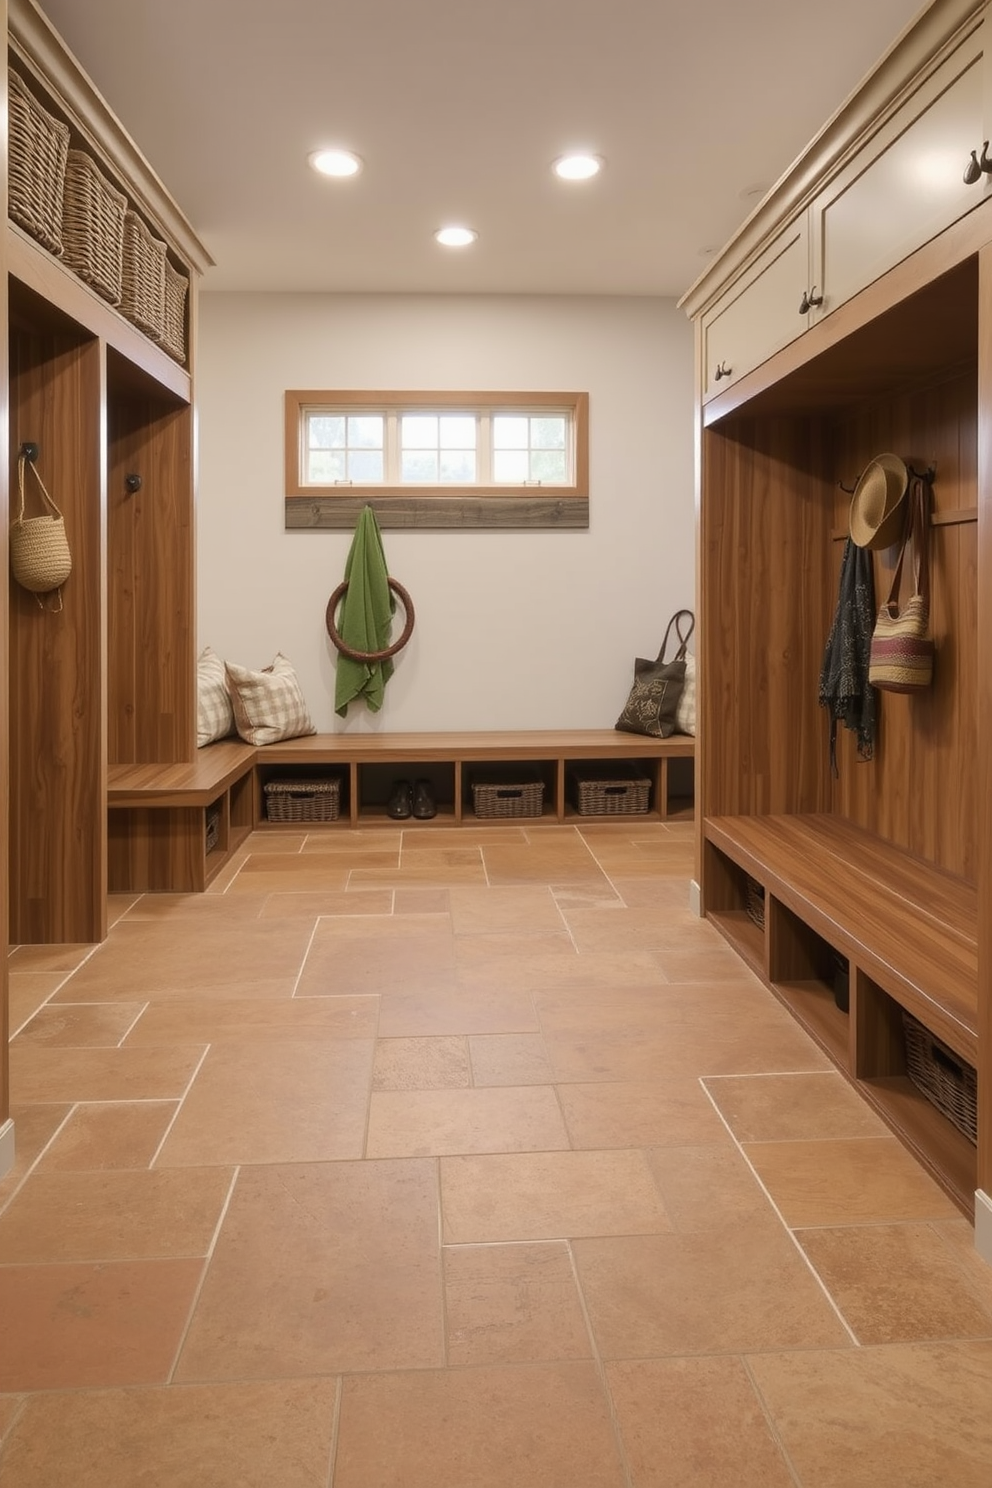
{"x": 907, "y": 184}
{"x": 760, "y": 312}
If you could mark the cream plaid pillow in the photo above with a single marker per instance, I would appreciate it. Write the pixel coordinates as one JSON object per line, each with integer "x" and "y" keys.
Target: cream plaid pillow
{"x": 685, "y": 718}
{"x": 214, "y": 714}
{"x": 268, "y": 705}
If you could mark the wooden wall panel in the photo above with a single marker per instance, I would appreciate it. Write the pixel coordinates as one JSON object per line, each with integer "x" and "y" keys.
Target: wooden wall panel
{"x": 920, "y": 791}
{"x": 151, "y": 660}
{"x": 58, "y": 870}
{"x": 4, "y": 673}
{"x": 983, "y": 761}
{"x": 765, "y": 544}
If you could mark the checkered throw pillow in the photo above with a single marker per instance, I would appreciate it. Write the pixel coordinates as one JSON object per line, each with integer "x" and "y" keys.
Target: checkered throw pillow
{"x": 268, "y": 705}
{"x": 685, "y": 718}
{"x": 214, "y": 714}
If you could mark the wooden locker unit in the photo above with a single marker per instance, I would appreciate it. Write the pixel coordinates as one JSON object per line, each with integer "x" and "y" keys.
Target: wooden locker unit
{"x": 884, "y": 866}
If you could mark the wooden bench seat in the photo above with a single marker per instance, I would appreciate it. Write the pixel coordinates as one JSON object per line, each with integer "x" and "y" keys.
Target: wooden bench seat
{"x": 162, "y": 815}
{"x": 910, "y": 927}
{"x": 908, "y": 931}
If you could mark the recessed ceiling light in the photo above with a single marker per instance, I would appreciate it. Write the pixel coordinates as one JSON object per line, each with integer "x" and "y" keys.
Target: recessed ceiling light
{"x": 335, "y": 162}
{"x": 577, "y": 167}
{"x": 456, "y": 237}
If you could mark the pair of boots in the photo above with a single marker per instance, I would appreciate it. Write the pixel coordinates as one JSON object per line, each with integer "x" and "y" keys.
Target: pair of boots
{"x": 411, "y": 798}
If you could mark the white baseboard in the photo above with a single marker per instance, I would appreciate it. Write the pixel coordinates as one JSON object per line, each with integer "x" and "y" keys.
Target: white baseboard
{"x": 983, "y": 1226}
{"x": 695, "y": 898}
{"x": 6, "y": 1148}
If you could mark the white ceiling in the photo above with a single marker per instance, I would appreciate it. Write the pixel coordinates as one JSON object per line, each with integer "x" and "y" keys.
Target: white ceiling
{"x": 457, "y": 108}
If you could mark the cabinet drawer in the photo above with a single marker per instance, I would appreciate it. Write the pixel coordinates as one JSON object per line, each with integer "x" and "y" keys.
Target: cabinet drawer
{"x": 760, "y": 312}
{"x": 907, "y": 184}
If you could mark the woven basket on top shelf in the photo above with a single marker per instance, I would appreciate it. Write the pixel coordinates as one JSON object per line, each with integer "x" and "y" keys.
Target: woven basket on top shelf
{"x": 143, "y": 277}
{"x": 39, "y": 145}
{"x": 93, "y": 226}
{"x": 173, "y": 336}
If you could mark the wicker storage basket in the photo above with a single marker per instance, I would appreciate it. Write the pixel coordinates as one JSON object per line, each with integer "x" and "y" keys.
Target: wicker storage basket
{"x": 143, "y": 277}
{"x": 755, "y": 902}
{"x": 516, "y": 794}
{"x": 609, "y": 790}
{"x": 39, "y": 146}
{"x": 93, "y": 226}
{"x": 944, "y": 1078}
{"x": 302, "y": 800}
{"x": 213, "y": 828}
{"x": 173, "y": 337}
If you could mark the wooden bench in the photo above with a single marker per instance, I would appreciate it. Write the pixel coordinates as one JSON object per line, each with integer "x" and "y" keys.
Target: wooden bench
{"x": 173, "y": 827}
{"x": 159, "y": 814}
{"x": 908, "y": 932}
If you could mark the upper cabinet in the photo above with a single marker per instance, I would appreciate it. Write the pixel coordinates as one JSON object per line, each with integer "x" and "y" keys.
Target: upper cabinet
{"x": 892, "y": 170}
{"x": 908, "y": 181}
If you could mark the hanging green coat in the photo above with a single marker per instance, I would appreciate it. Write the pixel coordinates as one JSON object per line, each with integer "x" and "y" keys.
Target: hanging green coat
{"x": 365, "y": 619}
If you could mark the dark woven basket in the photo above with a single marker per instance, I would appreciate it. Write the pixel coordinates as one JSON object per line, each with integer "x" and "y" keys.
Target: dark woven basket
{"x": 754, "y": 902}
{"x": 943, "y": 1076}
{"x": 302, "y": 800}
{"x": 39, "y": 146}
{"x": 93, "y": 226}
{"x": 610, "y": 790}
{"x": 508, "y": 797}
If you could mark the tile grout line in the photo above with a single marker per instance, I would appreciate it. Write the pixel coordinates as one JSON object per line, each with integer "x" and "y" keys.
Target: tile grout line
{"x": 788, "y": 1230}
{"x": 770, "y": 1421}
{"x": 307, "y": 949}
{"x": 332, "y": 1457}
{"x": 445, "y": 1362}
{"x": 73, "y": 1106}
{"x": 179, "y": 1105}
{"x": 132, "y": 1025}
{"x": 198, "y": 1289}
{"x": 600, "y": 1368}
{"x": 54, "y": 992}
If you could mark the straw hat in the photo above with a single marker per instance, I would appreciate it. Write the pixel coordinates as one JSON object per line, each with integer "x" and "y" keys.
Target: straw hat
{"x": 876, "y": 518}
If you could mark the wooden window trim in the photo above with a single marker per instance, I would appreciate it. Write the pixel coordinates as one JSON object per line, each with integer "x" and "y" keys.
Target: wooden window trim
{"x": 310, "y": 507}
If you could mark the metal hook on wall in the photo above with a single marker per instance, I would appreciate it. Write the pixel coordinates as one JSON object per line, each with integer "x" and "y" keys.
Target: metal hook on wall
{"x": 30, "y": 450}
{"x": 132, "y": 483}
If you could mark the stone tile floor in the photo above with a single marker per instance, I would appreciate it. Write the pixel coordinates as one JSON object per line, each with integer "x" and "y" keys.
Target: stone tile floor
{"x": 462, "y": 1159}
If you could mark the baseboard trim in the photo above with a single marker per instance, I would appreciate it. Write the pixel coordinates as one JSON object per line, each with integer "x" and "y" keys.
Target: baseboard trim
{"x": 983, "y": 1226}
{"x": 695, "y": 899}
{"x": 6, "y": 1147}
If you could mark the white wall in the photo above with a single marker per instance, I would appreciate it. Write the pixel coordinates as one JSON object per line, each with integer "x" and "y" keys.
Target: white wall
{"x": 514, "y": 629}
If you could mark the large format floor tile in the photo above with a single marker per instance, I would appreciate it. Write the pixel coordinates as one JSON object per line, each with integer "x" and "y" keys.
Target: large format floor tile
{"x": 478, "y": 1428}
{"x": 276, "y": 1102}
{"x": 512, "y": 1304}
{"x": 322, "y": 1269}
{"x": 421, "y": 1123}
{"x": 227, "y": 1436}
{"x": 908, "y": 1417}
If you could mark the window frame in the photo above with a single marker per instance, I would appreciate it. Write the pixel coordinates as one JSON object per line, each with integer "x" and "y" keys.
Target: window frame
{"x": 416, "y": 504}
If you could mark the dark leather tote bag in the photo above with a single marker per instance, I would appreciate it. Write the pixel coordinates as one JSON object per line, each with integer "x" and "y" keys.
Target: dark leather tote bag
{"x": 654, "y": 698}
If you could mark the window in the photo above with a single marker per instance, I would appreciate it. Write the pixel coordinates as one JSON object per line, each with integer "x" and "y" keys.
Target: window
{"x": 510, "y": 459}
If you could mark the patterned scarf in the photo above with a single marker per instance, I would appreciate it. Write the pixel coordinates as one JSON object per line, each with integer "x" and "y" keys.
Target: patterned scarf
{"x": 844, "y": 686}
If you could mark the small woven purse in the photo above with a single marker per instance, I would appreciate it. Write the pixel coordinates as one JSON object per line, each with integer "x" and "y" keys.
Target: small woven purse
{"x": 39, "y": 549}
{"x": 901, "y": 650}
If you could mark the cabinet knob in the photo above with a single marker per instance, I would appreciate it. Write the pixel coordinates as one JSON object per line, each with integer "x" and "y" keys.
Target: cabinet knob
{"x": 985, "y": 164}
{"x": 721, "y": 371}
{"x": 809, "y": 301}
{"x": 973, "y": 170}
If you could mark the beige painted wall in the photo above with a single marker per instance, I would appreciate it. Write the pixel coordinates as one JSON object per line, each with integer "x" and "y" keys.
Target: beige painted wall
{"x": 514, "y": 629}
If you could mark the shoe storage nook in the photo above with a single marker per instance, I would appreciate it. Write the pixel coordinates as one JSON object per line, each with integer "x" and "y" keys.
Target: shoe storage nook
{"x": 852, "y": 314}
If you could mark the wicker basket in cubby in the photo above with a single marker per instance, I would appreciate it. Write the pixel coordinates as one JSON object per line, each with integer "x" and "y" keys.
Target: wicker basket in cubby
{"x": 93, "y": 226}
{"x": 513, "y": 795}
{"x": 944, "y": 1077}
{"x": 39, "y": 146}
{"x": 609, "y": 790}
{"x": 143, "y": 278}
{"x": 303, "y": 800}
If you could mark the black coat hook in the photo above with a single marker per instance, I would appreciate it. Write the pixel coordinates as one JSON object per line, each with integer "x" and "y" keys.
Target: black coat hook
{"x": 133, "y": 483}
{"x": 29, "y": 450}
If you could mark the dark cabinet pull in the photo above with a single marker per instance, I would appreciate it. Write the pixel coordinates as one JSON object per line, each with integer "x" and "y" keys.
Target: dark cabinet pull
{"x": 976, "y": 168}
{"x": 985, "y": 163}
{"x": 721, "y": 371}
{"x": 809, "y": 301}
